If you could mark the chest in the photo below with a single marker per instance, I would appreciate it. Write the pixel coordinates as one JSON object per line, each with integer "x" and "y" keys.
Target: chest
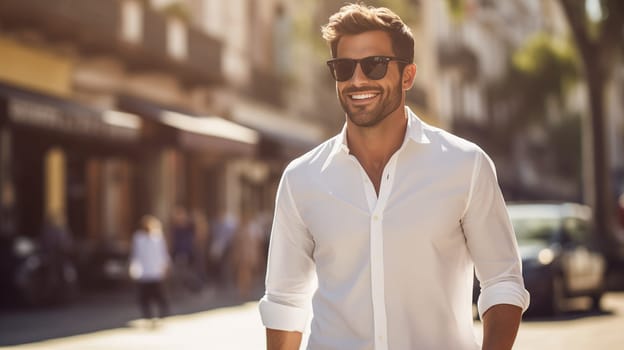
{"x": 413, "y": 209}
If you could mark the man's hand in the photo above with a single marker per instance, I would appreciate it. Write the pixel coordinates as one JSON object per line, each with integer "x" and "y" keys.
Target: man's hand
{"x": 500, "y": 326}
{"x": 282, "y": 340}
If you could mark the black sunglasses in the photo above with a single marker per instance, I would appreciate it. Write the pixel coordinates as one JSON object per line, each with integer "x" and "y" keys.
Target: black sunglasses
{"x": 374, "y": 67}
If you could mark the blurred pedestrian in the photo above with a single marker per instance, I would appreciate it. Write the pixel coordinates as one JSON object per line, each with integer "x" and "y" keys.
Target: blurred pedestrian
{"x": 8, "y": 224}
{"x": 56, "y": 239}
{"x": 621, "y": 209}
{"x": 149, "y": 266}
{"x": 57, "y": 248}
{"x": 202, "y": 239}
{"x": 223, "y": 232}
{"x": 391, "y": 216}
{"x": 264, "y": 220}
{"x": 183, "y": 236}
{"x": 246, "y": 253}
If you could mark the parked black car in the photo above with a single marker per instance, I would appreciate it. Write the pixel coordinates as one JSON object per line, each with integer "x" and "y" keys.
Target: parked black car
{"x": 31, "y": 278}
{"x": 560, "y": 260}
{"x": 103, "y": 264}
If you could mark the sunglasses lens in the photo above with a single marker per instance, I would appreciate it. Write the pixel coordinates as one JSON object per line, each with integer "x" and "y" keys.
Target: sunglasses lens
{"x": 343, "y": 69}
{"x": 374, "y": 67}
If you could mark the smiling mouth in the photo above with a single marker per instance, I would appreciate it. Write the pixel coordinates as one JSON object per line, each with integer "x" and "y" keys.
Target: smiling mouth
{"x": 363, "y": 96}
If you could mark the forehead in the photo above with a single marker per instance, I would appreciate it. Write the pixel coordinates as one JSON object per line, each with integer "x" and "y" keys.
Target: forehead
{"x": 365, "y": 44}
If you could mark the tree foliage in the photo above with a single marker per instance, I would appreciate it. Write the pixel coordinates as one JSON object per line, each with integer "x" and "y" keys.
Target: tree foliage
{"x": 540, "y": 71}
{"x": 601, "y": 36}
{"x": 456, "y": 8}
{"x": 551, "y": 64}
{"x": 600, "y": 42}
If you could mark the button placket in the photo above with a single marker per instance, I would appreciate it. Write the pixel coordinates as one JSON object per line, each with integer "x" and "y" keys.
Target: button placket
{"x": 377, "y": 256}
{"x": 377, "y": 281}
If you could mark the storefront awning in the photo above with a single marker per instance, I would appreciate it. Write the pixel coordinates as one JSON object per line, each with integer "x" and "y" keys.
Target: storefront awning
{"x": 292, "y": 136}
{"x": 202, "y": 134}
{"x": 209, "y": 133}
{"x": 65, "y": 117}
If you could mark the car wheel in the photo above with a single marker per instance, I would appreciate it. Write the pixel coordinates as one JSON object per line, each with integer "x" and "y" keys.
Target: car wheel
{"x": 595, "y": 301}
{"x": 557, "y": 297}
{"x": 69, "y": 289}
{"x": 596, "y": 296}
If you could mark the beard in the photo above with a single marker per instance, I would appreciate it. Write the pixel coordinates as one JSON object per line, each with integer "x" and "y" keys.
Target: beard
{"x": 373, "y": 114}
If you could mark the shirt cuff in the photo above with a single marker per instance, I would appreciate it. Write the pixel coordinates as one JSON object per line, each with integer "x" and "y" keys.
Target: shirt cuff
{"x": 282, "y": 317}
{"x": 503, "y": 293}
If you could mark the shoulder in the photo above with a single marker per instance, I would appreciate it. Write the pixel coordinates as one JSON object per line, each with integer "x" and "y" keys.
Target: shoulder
{"x": 446, "y": 142}
{"x": 312, "y": 161}
{"x": 140, "y": 235}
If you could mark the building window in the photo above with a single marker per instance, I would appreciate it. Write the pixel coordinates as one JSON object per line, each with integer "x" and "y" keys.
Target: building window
{"x": 176, "y": 38}
{"x": 281, "y": 41}
{"x": 132, "y": 21}
{"x": 212, "y": 17}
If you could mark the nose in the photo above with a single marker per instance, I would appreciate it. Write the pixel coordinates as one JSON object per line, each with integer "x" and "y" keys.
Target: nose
{"x": 358, "y": 75}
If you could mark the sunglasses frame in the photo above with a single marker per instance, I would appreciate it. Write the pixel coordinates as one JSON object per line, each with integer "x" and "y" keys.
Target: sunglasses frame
{"x": 385, "y": 60}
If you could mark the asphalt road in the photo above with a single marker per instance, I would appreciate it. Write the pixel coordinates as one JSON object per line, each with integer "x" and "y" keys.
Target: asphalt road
{"x": 577, "y": 329}
{"x": 221, "y": 320}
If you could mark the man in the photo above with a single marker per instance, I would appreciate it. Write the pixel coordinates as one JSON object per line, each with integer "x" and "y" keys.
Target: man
{"x": 390, "y": 216}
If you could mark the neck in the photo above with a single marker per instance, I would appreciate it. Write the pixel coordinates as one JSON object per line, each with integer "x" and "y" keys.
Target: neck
{"x": 375, "y": 145}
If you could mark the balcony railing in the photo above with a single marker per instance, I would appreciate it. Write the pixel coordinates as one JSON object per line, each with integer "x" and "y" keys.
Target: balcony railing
{"x": 267, "y": 86}
{"x": 87, "y": 22}
{"x": 458, "y": 54}
{"x": 95, "y": 27}
{"x": 204, "y": 54}
{"x": 154, "y": 33}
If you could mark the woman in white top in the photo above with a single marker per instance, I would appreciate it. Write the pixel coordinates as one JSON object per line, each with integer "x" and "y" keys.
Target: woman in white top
{"x": 149, "y": 265}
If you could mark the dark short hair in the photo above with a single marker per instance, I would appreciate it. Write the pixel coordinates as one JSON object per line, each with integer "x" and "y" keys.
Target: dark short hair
{"x": 358, "y": 18}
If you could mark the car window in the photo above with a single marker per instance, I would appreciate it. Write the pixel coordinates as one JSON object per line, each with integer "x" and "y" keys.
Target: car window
{"x": 576, "y": 229}
{"x": 535, "y": 230}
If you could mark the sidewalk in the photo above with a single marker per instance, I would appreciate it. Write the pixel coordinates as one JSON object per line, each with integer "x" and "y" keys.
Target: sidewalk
{"x": 239, "y": 327}
{"x": 115, "y": 311}
{"x": 229, "y": 328}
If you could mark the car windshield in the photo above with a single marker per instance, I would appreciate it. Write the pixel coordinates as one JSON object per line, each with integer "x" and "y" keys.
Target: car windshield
{"x": 534, "y": 230}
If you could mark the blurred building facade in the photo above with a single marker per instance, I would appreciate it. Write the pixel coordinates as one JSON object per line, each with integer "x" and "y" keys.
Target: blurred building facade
{"x": 113, "y": 109}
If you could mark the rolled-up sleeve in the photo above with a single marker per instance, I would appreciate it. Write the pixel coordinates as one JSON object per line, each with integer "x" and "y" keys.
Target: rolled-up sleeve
{"x": 290, "y": 268}
{"x": 491, "y": 241}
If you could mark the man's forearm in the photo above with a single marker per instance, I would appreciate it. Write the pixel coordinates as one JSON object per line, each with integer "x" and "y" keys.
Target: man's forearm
{"x": 282, "y": 340}
{"x": 500, "y": 326}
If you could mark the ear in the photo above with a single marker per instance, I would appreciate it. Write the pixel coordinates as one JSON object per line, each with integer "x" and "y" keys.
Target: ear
{"x": 409, "y": 74}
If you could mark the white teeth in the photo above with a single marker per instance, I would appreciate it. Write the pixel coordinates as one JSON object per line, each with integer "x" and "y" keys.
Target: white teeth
{"x": 362, "y": 97}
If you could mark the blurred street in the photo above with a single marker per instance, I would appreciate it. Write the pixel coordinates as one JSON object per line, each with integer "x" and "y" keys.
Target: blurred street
{"x": 576, "y": 329}
{"x": 219, "y": 320}
{"x": 110, "y": 320}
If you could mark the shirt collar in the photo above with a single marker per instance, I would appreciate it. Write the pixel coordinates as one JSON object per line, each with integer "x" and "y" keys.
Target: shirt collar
{"x": 414, "y": 132}
{"x": 415, "y": 128}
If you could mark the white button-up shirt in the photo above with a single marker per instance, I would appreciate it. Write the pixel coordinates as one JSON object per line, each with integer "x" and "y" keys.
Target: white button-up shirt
{"x": 394, "y": 270}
